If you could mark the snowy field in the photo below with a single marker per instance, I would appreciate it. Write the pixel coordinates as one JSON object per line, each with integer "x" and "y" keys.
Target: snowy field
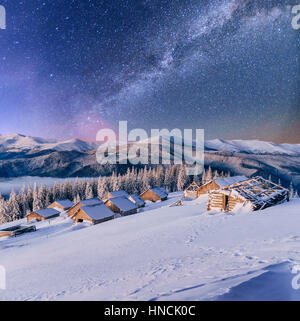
{"x": 162, "y": 253}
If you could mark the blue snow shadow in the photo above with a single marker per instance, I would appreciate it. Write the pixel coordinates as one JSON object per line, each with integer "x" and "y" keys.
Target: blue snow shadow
{"x": 273, "y": 285}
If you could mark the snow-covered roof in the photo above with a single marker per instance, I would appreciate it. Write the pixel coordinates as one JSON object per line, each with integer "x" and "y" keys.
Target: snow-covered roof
{"x": 119, "y": 194}
{"x": 160, "y": 191}
{"x": 97, "y": 212}
{"x": 136, "y": 199}
{"x": 123, "y": 203}
{"x": 261, "y": 192}
{"x": 91, "y": 202}
{"x": 227, "y": 181}
{"x": 47, "y": 212}
{"x": 65, "y": 203}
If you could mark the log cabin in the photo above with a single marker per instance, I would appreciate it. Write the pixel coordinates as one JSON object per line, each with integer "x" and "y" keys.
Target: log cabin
{"x": 61, "y": 205}
{"x": 77, "y": 206}
{"x": 155, "y": 194}
{"x": 191, "y": 190}
{"x": 114, "y": 194}
{"x": 121, "y": 205}
{"x": 257, "y": 193}
{"x": 42, "y": 215}
{"x": 135, "y": 199}
{"x": 220, "y": 183}
{"x": 95, "y": 214}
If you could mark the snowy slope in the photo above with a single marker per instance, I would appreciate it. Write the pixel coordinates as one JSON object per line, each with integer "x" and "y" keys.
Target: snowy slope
{"x": 162, "y": 253}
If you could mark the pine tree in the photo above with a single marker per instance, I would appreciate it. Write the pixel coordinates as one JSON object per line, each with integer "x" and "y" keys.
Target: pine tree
{"x": 203, "y": 180}
{"x": 13, "y": 207}
{"x": 76, "y": 199}
{"x": 102, "y": 187}
{"x": 145, "y": 180}
{"x": 209, "y": 175}
{"x": 42, "y": 195}
{"x": 291, "y": 190}
{"x": 3, "y": 211}
{"x": 216, "y": 174}
{"x": 30, "y": 197}
{"x": 88, "y": 191}
{"x": 116, "y": 182}
{"x": 36, "y": 204}
{"x": 182, "y": 178}
{"x": 56, "y": 191}
{"x": 23, "y": 200}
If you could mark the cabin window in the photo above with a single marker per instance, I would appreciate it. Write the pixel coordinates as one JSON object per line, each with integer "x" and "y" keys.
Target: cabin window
{"x": 80, "y": 220}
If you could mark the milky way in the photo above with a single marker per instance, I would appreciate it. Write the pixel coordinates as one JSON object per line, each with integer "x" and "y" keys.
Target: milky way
{"x": 69, "y": 68}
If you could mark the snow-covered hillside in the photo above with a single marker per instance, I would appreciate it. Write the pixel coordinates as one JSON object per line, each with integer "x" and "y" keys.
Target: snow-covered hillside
{"x": 162, "y": 253}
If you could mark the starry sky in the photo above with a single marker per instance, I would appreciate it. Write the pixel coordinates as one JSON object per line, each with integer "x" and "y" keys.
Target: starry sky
{"x": 69, "y": 68}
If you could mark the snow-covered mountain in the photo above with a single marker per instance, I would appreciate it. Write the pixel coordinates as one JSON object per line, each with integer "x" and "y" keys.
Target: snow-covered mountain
{"x": 18, "y": 142}
{"x": 253, "y": 147}
{"x": 29, "y": 156}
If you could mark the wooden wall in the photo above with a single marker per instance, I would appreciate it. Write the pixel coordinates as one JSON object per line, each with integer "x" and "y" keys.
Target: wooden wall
{"x": 204, "y": 189}
{"x": 73, "y": 209}
{"x": 81, "y": 215}
{"x": 56, "y": 205}
{"x": 150, "y": 196}
{"x": 223, "y": 201}
{"x": 34, "y": 216}
{"x": 216, "y": 201}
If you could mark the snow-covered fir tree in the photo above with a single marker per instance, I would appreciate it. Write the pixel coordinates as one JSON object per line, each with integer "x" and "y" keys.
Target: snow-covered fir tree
{"x": 88, "y": 191}
{"x": 291, "y": 190}
{"x": 101, "y": 187}
{"x": 203, "y": 179}
{"x": 181, "y": 178}
{"x": 13, "y": 207}
{"x": 36, "y": 203}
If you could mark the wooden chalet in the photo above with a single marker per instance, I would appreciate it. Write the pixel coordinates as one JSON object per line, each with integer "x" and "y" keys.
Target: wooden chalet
{"x": 62, "y": 205}
{"x": 77, "y": 206}
{"x": 220, "y": 183}
{"x": 121, "y": 205}
{"x": 258, "y": 193}
{"x": 114, "y": 194}
{"x": 135, "y": 199}
{"x": 95, "y": 214}
{"x": 42, "y": 215}
{"x": 155, "y": 194}
{"x": 191, "y": 190}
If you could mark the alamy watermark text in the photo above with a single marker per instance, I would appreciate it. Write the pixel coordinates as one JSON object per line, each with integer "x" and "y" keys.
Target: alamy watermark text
{"x": 296, "y": 18}
{"x": 2, "y": 17}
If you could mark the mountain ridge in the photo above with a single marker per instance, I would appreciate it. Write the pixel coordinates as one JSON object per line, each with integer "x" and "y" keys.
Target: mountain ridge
{"x": 19, "y": 142}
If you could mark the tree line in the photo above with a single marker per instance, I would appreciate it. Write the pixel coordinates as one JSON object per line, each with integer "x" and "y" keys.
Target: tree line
{"x": 135, "y": 181}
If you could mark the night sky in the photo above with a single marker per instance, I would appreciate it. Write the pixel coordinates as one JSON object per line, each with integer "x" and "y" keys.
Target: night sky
{"x": 69, "y": 68}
